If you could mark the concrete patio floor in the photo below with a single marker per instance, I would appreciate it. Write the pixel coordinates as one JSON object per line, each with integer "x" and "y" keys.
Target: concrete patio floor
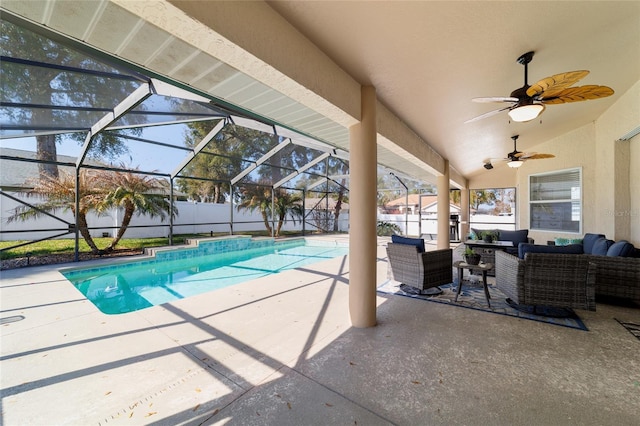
{"x": 281, "y": 351}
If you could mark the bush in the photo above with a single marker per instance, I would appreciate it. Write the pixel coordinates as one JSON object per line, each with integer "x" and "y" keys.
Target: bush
{"x": 385, "y": 229}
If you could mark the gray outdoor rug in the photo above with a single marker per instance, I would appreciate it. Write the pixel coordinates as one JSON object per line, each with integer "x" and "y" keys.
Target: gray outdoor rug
{"x": 632, "y": 327}
{"x": 472, "y": 297}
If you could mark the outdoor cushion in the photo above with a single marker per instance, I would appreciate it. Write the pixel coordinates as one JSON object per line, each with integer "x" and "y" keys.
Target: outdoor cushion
{"x": 525, "y": 248}
{"x": 589, "y": 240}
{"x": 601, "y": 246}
{"x": 567, "y": 241}
{"x": 621, "y": 248}
{"x": 477, "y": 233}
{"x": 517, "y": 237}
{"x": 418, "y": 242}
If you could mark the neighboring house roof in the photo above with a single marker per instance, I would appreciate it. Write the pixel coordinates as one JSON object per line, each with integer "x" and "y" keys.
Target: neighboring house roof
{"x": 414, "y": 200}
{"x": 16, "y": 174}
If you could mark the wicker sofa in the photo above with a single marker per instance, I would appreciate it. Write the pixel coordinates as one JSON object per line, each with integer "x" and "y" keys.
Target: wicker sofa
{"x": 617, "y": 270}
{"x": 559, "y": 280}
{"x": 412, "y": 266}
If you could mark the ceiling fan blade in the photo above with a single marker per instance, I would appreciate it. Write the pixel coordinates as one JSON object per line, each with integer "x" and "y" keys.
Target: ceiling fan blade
{"x": 577, "y": 94}
{"x": 547, "y": 87}
{"x": 488, "y": 114}
{"x": 495, "y": 99}
{"x": 533, "y": 156}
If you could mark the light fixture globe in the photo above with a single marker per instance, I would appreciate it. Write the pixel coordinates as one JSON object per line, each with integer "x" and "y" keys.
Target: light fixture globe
{"x": 526, "y": 112}
{"x": 514, "y": 164}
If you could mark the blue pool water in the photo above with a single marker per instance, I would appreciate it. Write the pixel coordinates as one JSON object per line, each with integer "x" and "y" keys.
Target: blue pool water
{"x": 176, "y": 274}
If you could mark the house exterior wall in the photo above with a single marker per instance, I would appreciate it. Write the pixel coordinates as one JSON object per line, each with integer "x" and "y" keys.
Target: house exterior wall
{"x": 610, "y": 173}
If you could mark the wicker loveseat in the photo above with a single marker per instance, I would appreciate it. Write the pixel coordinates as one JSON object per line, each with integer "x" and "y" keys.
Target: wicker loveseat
{"x": 413, "y": 266}
{"x": 559, "y": 280}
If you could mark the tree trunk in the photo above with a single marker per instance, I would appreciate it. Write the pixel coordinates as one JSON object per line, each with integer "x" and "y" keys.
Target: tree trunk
{"x": 46, "y": 150}
{"x": 338, "y": 208}
{"x": 280, "y": 223}
{"x": 126, "y": 220}
{"x": 265, "y": 219}
{"x": 84, "y": 231}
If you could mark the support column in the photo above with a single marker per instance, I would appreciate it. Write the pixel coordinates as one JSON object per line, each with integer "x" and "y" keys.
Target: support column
{"x": 464, "y": 213}
{"x": 443, "y": 208}
{"x": 362, "y": 213}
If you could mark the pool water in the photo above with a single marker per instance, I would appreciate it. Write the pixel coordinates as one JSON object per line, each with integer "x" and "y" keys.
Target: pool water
{"x": 178, "y": 274}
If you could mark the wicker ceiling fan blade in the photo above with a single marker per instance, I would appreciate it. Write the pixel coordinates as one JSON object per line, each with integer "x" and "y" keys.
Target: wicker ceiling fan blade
{"x": 488, "y": 114}
{"x": 578, "y": 94}
{"x": 533, "y": 156}
{"x": 495, "y": 99}
{"x": 555, "y": 83}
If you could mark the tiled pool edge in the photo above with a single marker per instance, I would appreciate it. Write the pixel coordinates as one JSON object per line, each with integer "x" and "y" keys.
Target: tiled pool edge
{"x": 198, "y": 248}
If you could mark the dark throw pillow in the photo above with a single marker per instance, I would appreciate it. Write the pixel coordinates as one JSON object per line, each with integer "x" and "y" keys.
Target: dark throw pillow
{"x": 520, "y": 236}
{"x": 418, "y": 242}
{"x": 589, "y": 240}
{"x": 536, "y": 248}
{"x": 601, "y": 246}
{"x": 621, "y": 248}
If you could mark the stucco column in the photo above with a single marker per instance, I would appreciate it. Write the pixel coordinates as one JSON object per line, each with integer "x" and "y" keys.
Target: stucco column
{"x": 443, "y": 208}
{"x": 464, "y": 213}
{"x": 362, "y": 214}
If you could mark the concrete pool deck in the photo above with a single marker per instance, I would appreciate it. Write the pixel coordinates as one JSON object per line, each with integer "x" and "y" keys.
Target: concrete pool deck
{"x": 281, "y": 351}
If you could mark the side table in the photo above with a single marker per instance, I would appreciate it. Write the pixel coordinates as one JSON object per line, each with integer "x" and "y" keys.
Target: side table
{"x": 482, "y": 267}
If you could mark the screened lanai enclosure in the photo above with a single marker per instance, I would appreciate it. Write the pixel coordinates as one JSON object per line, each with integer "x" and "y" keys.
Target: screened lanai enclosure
{"x": 92, "y": 147}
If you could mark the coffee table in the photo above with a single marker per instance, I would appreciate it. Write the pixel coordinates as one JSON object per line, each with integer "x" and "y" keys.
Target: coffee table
{"x": 482, "y": 267}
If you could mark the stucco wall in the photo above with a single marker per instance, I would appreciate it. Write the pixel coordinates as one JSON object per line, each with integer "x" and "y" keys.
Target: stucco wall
{"x": 634, "y": 189}
{"x": 618, "y": 215}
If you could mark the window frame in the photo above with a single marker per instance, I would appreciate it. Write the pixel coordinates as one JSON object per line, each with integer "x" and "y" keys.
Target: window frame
{"x": 572, "y": 200}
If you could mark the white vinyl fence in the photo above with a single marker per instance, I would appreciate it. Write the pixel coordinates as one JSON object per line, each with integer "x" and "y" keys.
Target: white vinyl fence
{"x": 192, "y": 218}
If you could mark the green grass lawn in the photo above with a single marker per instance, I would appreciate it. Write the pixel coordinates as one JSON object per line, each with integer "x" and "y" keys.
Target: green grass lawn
{"x": 68, "y": 245}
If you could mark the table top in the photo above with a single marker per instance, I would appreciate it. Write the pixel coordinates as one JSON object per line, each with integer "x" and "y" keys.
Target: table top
{"x": 465, "y": 265}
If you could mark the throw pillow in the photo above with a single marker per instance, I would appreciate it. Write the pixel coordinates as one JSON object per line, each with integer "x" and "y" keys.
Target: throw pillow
{"x": 418, "y": 242}
{"x": 523, "y": 249}
{"x": 561, "y": 241}
{"x": 589, "y": 240}
{"x": 520, "y": 236}
{"x": 601, "y": 246}
{"x": 621, "y": 248}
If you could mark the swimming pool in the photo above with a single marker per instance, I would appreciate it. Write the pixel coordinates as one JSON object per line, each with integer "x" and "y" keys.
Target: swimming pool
{"x": 178, "y": 273}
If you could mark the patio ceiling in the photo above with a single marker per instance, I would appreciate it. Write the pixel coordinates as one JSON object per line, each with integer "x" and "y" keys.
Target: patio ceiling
{"x": 426, "y": 60}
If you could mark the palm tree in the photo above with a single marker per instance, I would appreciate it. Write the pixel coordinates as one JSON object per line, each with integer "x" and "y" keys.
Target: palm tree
{"x": 59, "y": 194}
{"x": 259, "y": 198}
{"x": 136, "y": 194}
{"x": 287, "y": 204}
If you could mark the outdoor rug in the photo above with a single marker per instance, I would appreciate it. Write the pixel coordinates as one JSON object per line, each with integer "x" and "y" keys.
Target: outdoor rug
{"x": 472, "y": 297}
{"x": 632, "y": 327}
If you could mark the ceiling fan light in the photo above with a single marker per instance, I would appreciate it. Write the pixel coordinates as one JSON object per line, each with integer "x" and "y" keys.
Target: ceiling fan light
{"x": 526, "y": 112}
{"x": 514, "y": 164}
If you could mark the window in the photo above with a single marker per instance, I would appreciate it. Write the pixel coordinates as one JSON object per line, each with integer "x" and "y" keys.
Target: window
{"x": 493, "y": 208}
{"x": 555, "y": 201}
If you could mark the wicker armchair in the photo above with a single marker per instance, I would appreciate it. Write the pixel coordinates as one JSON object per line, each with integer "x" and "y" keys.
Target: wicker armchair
{"x": 421, "y": 270}
{"x": 559, "y": 280}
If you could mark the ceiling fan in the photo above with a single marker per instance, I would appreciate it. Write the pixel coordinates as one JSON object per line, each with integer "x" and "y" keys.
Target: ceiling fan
{"x": 528, "y": 102}
{"x": 516, "y": 158}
